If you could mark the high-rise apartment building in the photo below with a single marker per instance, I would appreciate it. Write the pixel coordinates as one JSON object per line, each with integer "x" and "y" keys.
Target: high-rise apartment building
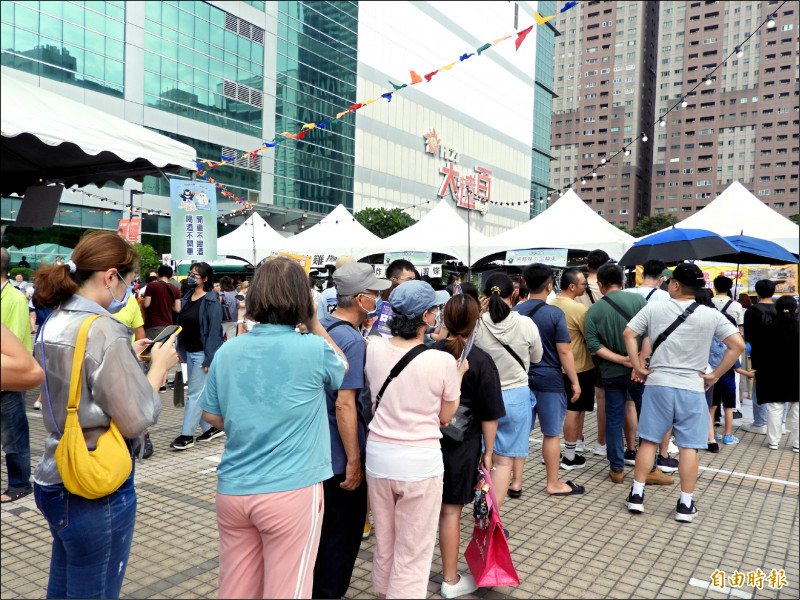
{"x": 741, "y": 124}
{"x": 605, "y": 83}
{"x": 224, "y": 77}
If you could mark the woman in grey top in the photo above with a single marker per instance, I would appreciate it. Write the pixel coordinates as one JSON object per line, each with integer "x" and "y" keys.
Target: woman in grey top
{"x": 92, "y": 538}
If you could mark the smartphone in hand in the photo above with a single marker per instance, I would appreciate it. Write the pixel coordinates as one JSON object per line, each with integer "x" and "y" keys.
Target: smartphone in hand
{"x": 163, "y": 336}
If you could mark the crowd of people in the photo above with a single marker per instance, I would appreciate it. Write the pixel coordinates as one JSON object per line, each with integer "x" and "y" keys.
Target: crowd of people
{"x": 328, "y": 419}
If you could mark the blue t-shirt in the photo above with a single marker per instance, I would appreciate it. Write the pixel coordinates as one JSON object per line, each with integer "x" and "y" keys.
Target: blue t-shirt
{"x": 552, "y": 323}
{"x": 355, "y": 349}
{"x": 727, "y": 383}
{"x": 268, "y": 386}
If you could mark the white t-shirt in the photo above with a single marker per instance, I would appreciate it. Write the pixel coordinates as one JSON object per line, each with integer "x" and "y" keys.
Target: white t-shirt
{"x": 326, "y": 303}
{"x": 679, "y": 361}
{"x": 658, "y": 295}
{"x": 735, "y": 310}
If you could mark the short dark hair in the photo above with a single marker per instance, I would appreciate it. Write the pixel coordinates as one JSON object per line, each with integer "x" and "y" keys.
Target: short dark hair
{"x": 765, "y": 288}
{"x": 279, "y": 294}
{"x": 537, "y": 276}
{"x": 703, "y": 296}
{"x": 165, "y": 271}
{"x": 226, "y": 284}
{"x": 470, "y": 289}
{"x": 596, "y": 259}
{"x": 204, "y": 270}
{"x": 523, "y": 291}
{"x": 396, "y": 267}
{"x": 653, "y": 269}
{"x": 610, "y": 274}
{"x": 723, "y": 284}
{"x": 569, "y": 277}
{"x": 405, "y": 327}
{"x": 453, "y": 277}
{"x": 150, "y": 279}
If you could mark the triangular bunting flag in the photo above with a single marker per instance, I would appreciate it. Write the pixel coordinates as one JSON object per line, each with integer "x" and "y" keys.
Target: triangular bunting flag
{"x": 388, "y": 96}
{"x": 448, "y": 67}
{"x": 567, "y": 6}
{"x": 398, "y": 87}
{"x": 540, "y": 20}
{"x": 323, "y": 125}
{"x": 430, "y": 75}
{"x": 484, "y": 47}
{"x": 415, "y": 78}
{"x": 502, "y": 39}
{"x": 522, "y": 35}
{"x": 464, "y": 57}
{"x": 309, "y": 126}
{"x": 302, "y": 134}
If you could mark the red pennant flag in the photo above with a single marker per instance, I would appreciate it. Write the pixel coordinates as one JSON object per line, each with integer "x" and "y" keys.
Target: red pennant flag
{"x": 431, "y": 74}
{"x": 415, "y": 78}
{"x": 302, "y": 134}
{"x": 522, "y": 35}
{"x": 354, "y": 107}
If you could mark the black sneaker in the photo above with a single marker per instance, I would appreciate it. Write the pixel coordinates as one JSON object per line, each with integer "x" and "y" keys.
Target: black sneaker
{"x": 148, "y": 446}
{"x": 713, "y": 447}
{"x": 182, "y": 442}
{"x": 667, "y": 463}
{"x": 569, "y": 465}
{"x": 635, "y": 502}
{"x": 630, "y": 457}
{"x": 210, "y": 435}
{"x": 737, "y": 414}
{"x": 685, "y": 513}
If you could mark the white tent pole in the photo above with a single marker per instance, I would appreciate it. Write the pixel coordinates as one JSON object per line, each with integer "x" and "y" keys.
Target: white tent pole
{"x": 469, "y": 248}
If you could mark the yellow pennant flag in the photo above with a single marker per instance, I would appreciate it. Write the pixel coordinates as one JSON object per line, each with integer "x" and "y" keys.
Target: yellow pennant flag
{"x": 310, "y": 126}
{"x": 370, "y": 101}
{"x": 540, "y": 20}
{"x": 448, "y": 67}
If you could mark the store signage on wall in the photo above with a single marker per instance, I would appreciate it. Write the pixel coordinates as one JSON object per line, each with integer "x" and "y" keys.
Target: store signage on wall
{"x": 466, "y": 189}
{"x": 130, "y": 230}
{"x": 194, "y": 220}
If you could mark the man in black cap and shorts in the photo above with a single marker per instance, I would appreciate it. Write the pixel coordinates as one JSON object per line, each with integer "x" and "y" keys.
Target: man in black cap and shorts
{"x": 680, "y": 333}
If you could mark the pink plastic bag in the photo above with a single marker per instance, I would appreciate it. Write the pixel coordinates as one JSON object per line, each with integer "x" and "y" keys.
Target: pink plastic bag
{"x": 487, "y": 555}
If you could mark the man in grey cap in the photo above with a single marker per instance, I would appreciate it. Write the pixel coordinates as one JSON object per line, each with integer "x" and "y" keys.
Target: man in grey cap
{"x": 680, "y": 334}
{"x": 357, "y": 297}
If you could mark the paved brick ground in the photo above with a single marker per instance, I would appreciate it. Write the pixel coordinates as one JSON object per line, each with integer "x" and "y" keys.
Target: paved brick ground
{"x": 585, "y": 546}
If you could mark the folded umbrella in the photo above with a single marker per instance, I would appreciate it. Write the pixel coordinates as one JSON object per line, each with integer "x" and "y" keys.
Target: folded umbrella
{"x": 674, "y": 245}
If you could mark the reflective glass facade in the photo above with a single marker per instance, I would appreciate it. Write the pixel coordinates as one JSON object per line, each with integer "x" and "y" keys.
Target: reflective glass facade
{"x": 316, "y": 67}
{"x": 82, "y": 43}
{"x": 205, "y": 64}
{"x": 542, "y": 111}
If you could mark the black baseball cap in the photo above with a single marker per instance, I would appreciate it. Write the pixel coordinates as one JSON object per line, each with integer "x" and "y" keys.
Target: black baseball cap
{"x": 686, "y": 273}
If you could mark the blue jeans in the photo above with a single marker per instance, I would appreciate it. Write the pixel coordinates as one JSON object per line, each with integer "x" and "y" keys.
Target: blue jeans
{"x": 15, "y": 440}
{"x": 759, "y": 410}
{"x": 91, "y": 540}
{"x": 617, "y": 390}
{"x": 192, "y": 413}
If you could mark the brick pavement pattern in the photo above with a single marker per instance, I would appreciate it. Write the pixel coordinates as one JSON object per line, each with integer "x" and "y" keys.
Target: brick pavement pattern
{"x": 582, "y": 546}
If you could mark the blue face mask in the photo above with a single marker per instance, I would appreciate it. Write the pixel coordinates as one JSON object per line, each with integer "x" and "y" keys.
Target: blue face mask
{"x": 438, "y": 318}
{"x": 377, "y": 310}
{"x": 118, "y": 305}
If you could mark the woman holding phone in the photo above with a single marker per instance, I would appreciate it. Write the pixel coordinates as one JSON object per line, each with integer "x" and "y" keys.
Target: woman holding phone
{"x": 198, "y": 342}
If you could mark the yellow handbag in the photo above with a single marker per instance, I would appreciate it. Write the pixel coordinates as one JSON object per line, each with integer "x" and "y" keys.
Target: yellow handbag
{"x": 99, "y": 472}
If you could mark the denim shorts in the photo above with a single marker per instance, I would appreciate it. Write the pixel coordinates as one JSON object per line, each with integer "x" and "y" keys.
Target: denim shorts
{"x": 551, "y": 408}
{"x": 685, "y": 411}
{"x": 513, "y": 430}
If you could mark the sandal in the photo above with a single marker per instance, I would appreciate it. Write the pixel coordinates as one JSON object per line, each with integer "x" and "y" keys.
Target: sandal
{"x": 576, "y": 489}
{"x": 14, "y": 495}
{"x": 514, "y": 493}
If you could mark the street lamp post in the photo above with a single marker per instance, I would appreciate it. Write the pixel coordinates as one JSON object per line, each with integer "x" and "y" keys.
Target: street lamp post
{"x": 133, "y": 193}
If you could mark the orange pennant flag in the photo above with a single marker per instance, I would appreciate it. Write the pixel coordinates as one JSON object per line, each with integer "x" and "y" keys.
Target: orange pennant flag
{"x": 502, "y": 39}
{"x": 415, "y": 78}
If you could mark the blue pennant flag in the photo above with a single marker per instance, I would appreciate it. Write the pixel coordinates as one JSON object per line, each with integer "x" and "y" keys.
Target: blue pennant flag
{"x": 567, "y": 6}
{"x": 465, "y": 56}
{"x": 323, "y": 125}
{"x": 388, "y": 96}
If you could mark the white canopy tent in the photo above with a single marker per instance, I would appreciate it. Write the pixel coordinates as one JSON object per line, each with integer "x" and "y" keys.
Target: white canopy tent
{"x": 442, "y": 230}
{"x": 569, "y": 223}
{"x": 49, "y": 137}
{"x": 737, "y": 211}
{"x": 252, "y": 241}
{"x": 337, "y": 234}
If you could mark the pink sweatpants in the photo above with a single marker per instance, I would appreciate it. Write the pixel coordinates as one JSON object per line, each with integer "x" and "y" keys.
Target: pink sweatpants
{"x": 406, "y": 514}
{"x": 268, "y": 543}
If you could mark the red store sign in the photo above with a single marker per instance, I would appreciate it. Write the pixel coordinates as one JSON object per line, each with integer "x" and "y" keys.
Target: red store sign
{"x": 466, "y": 189}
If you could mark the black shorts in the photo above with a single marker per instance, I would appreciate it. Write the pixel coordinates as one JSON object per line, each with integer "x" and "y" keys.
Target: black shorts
{"x": 461, "y": 461}
{"x": 586, "y": 401}
{"x": 724, "y": 398}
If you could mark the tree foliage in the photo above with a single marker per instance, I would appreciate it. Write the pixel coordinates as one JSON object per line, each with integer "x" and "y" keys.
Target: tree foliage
{"x": 149, "y": 260}
{"x": 382, "y": 222}
{"x": 649, "y": 225}
{"x": 795, "y": 218}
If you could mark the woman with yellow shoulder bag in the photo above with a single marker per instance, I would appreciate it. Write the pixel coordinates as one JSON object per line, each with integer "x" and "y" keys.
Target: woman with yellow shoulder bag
{"x": 97, "y": 402}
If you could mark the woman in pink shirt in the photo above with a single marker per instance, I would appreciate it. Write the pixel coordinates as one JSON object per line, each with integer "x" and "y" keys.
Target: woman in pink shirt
{"x": 404, "y": 459}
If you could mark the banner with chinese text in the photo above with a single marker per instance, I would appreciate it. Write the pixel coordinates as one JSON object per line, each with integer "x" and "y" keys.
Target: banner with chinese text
{"x": 556, "y": 257}
{"x": 194, "y": 220}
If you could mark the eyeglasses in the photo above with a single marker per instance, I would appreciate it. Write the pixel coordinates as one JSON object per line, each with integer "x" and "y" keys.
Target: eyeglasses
{"x": 404, "y": 279}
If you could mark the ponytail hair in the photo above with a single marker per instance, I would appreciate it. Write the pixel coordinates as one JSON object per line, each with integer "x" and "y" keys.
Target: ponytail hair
{"x": 498, "y": 287}
{"x": 461, "y": 314}
{"x": 97, "y": 251}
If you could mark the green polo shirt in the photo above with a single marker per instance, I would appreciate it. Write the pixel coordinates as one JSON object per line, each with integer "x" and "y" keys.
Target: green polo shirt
{"x": 604, "y": 327}
{"x": 15, "y": 315}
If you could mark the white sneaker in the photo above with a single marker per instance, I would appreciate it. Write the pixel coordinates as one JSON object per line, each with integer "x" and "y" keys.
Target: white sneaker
{"x": 750, "y": 428}
{"x": 580, "y": 446}
{"x": 465, "y": 585}
{"x": 673, "y": 449}
{"x": 37, "y": 405}
{"x": 599, "y": 449}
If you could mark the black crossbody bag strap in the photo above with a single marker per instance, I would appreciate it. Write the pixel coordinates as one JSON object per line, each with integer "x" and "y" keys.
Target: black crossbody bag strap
{"x": 675, "y": 324}
{"x": 337, "y": 324}
{"x": 511, "y": 351}
{"x": 591, "y": 296}
{"x": 653, "y": 291}
{"x": 401, "y": 364}
{"x": 617, "y": 308}
{"x": 724, "y": 310}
